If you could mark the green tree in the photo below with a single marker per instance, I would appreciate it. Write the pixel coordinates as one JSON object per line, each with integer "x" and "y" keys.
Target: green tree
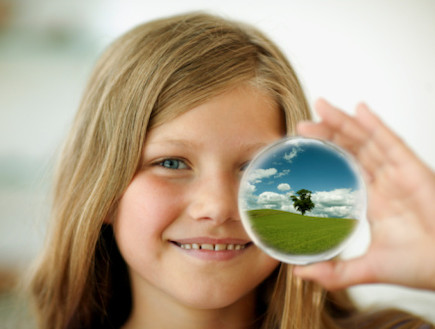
{"x": 303, "y": 202}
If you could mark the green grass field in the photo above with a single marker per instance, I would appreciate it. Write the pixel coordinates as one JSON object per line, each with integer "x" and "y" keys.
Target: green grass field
{"x": 297, "y": 234}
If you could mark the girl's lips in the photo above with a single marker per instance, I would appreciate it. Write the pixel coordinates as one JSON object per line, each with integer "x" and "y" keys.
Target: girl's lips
{"x": 212, "y": 249}
{"x": 202, "y": 240}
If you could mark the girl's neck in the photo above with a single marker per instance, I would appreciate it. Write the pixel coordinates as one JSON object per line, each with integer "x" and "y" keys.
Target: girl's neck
{"x": 159, "y": 311}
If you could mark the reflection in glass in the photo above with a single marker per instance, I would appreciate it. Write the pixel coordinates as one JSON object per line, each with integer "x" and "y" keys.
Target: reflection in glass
{"x": 302, "y": 199}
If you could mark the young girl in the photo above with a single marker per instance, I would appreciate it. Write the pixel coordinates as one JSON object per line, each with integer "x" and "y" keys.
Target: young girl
{"x": 145, "y": 230}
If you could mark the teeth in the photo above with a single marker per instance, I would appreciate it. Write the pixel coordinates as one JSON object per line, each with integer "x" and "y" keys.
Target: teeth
{"x": 207, "y": 246}
{"x": 218, "y": 247}
{"x": 214, "y": 247}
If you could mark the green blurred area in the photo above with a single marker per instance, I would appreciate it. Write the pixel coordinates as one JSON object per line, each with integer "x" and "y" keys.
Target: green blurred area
{"x": 297, "y": 234}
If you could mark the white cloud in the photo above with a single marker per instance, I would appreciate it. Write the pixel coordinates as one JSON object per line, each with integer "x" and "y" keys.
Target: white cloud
{"x": 293, "y": 153}
{"x": 267, "y": 197}
{"x": 343, "y": 203}
{"x": 284, "y": 187}
{"x": 282, "y": 173}
{"x": 337, "y": 197}
{"x": 288, "y": 207}
{"x": 271, "y": 200}
{"x": 248, "y": 187}
{"x": 258, "y": 174}
{"x": 248, "y": 200}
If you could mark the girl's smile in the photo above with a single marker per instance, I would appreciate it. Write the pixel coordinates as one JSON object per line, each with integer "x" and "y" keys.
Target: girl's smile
{"x": 178, "y": 226}
{"x": 213, "y": 249}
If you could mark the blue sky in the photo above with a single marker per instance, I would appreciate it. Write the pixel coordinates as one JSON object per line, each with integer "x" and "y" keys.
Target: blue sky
{"x": 308, "y": 164}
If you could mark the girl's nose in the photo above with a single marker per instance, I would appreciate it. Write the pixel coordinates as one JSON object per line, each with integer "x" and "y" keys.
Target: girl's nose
{"x": 214, "y": 197}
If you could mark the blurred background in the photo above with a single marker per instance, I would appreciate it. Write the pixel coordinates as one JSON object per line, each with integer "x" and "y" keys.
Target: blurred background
{"x": 381, "y": 52}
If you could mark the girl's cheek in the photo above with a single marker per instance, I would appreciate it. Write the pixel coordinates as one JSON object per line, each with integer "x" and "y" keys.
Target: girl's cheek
{"x": 151, "y": 199}
{"x": 148, "y": 206}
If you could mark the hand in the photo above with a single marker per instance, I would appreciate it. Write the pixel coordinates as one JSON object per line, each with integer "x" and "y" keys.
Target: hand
{"x": 401, "y": 204}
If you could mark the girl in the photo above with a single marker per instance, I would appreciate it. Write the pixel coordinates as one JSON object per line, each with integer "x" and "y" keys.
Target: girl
{"x": 145, "y": 229}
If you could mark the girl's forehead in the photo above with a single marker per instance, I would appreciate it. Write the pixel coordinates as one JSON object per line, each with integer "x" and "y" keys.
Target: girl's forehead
{"x": 235, "y": 105}
{"x": 239, "y": 117}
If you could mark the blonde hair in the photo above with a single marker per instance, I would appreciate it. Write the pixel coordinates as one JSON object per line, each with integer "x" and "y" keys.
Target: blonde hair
{"x": 148, "y": 76}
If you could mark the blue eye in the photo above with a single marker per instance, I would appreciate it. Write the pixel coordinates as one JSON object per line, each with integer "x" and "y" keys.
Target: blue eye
{"x": 173, "y": 164}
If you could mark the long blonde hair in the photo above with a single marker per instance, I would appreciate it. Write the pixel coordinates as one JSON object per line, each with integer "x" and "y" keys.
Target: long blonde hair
{"x": 148, "y": 76}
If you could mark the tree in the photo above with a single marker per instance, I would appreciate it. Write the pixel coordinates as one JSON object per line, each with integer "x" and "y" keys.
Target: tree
{"x": 303, "y": 203}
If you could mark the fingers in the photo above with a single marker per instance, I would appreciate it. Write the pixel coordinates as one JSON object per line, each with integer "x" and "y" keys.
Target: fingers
{"x": 334, "y": 275}
{"x": 344, "y": 129}
{"x": 336, "y": 126}
{"x": 389, "y": 144}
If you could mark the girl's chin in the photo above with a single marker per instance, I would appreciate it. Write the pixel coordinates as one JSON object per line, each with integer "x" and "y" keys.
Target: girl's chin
{"x": 214, "y": 300}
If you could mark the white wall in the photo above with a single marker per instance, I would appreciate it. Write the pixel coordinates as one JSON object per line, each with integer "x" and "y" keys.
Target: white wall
{"x": 381, "y": 52}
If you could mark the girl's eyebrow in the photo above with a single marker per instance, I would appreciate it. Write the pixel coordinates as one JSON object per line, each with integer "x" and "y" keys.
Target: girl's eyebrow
{"x": 175, "y": 142}
{"x": 197, "y": 144}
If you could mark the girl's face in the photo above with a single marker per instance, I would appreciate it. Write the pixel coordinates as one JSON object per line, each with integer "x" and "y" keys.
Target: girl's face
{"x": 178, "y": 226}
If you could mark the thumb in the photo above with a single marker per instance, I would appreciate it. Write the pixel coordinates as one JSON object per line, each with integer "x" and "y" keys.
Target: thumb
{"x": 336, "y": 274}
